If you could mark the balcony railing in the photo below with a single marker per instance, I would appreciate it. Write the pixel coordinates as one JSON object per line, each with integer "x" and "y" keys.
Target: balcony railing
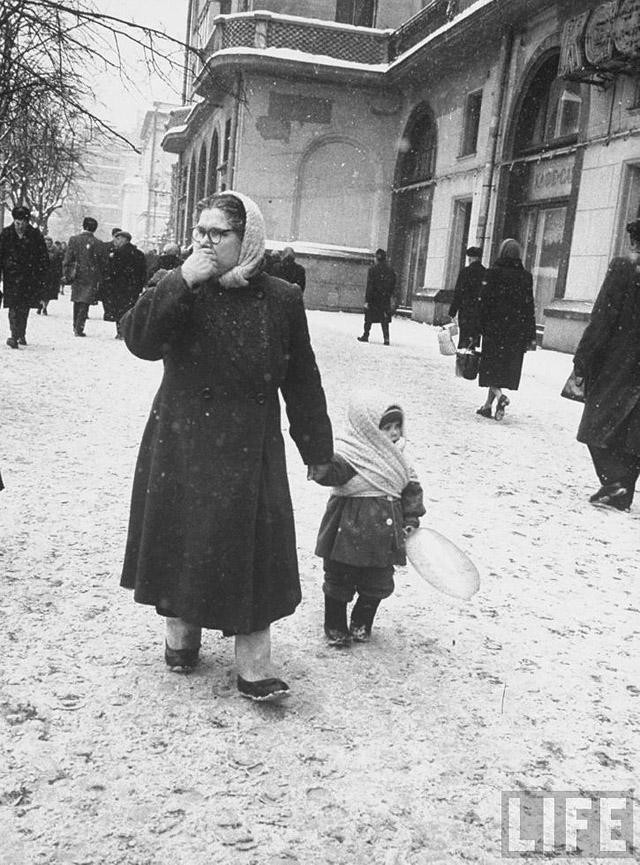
{"x": 434, "y": 15}
{"x": 262, "y": 30}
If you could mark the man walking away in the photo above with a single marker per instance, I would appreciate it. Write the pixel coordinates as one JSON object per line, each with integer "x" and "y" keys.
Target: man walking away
{"x": 290, "y": 270}
{"x": 381, "y": 287}
{"x": 84, "y": 268}
{"x": 466, "y": 298}
{"x": 24, "y": 263}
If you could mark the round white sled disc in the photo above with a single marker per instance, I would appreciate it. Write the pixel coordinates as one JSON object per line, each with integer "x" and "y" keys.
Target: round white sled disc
{"x": 442, "y": 564}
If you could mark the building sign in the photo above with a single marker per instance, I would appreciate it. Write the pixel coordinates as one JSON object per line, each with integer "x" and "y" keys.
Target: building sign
{"x": 551, "y": 178}
{"x": 602, "y": 42}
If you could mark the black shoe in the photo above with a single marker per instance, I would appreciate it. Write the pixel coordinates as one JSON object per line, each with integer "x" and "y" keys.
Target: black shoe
{"x": 79, "y": 333}
{"x": 12, "y": 342}
{"x": 21, "y": 340}
{"x": 611, "y": 496}
{"x": 44, "y": 312}
{"x": 484, "y": 411}
{"x": 386, "y": 342}
{"x": 362, "y": 338}
{"x": 264, "y": 690}
{"x": 181, "y": 660}
{"x": 39, "y": 311}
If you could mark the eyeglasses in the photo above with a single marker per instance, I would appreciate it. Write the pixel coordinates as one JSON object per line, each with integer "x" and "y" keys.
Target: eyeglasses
{"x": 213, "y": 235}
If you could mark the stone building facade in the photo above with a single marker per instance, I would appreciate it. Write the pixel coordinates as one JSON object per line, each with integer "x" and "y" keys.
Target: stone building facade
{"x": 421, "y": 126}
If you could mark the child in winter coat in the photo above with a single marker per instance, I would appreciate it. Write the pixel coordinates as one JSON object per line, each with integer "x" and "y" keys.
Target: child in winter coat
{"x": 375, "y": 502}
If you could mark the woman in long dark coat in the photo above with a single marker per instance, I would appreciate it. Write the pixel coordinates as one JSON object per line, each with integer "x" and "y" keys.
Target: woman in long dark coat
{"x": 508, "y": 326}
{"x": 51, "y": 287}
{"x": 608, "y": 360}
{"x": 211, "y": 540}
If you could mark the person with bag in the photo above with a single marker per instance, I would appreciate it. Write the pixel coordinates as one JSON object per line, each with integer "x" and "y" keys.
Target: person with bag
{"x": 466, "y": 299}
{"x": 508, "y": 326}
{"x": 607, "y": 361}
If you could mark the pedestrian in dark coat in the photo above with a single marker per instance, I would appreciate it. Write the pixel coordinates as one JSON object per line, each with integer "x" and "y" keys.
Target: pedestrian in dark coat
{"x": 290, "y": 270}
{"x": 51, "y": 287}
{"x": 608, "y": 360}
{"x": 126, "y": 277}
{"x": 84, "y": 268}
{"x": 381, "y": 287}
{"x": 466, "y": 299}
{"x": 508, "y": 326}
{"x": 211, "y": 538}
{"x": 23, "y": 266}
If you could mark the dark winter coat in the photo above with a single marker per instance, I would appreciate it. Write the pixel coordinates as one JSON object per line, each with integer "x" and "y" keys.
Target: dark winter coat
{"x": 508, "y": 323}
{"x": 84, "y": 266}
{"x": 127, "y": 274}
{"x": 366, "y": 531}
{"x": 381, "y": 286}
{"x": 608, "y": 357}
{"x": 293, "y": 272}
{"x": 466, "y": 302}
{"x": 211, "y": 533}
{"x": 51, "y": 288}
{"x": 24, "y": 264}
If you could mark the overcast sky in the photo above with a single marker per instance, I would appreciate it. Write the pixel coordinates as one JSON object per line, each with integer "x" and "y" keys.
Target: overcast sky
{"x": 123, "y": 104}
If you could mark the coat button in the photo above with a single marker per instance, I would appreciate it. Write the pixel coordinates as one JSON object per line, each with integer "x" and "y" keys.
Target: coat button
{"x": 206, "y": 393}
{"x": 260, "y": 295}
{"x": 260, "y": 398}
{"x": 389, "y": 521}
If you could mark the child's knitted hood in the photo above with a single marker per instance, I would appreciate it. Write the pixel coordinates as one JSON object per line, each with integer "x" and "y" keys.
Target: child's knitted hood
{"x": 368, "y": 450}
{"x": 253, "y": 243}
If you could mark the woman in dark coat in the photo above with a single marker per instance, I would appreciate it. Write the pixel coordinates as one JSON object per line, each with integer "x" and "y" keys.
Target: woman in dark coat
{"x": 211, "y": 538}
{"x": 508, "y": 326}
{"x": 608, "y": 360}
{"x": 51, "y": 288}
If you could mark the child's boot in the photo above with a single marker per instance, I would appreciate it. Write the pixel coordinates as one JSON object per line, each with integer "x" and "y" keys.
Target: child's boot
{"x": 362, "y": 616}
{"x": 335, "y": 622}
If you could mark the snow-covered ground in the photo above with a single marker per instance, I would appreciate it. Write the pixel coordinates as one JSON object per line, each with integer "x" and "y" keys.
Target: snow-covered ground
{"x": 392, "y": 753}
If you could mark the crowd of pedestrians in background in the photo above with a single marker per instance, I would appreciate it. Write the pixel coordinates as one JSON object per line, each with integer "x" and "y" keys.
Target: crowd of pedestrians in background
{"x": 35, "y": 270}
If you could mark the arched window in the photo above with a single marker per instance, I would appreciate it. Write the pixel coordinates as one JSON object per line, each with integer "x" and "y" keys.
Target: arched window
{"x": 191, "y": 196}
{"x": 412, "y": 201}
{"x": 417, "y": 160}
{"x": 212, "y": 177}
{"x": 335, "y": 195}
{"x": 201, "y": 177}
{"x": 550, "y": 110}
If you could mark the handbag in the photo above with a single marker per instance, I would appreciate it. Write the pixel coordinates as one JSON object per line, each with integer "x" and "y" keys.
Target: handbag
{"x": 467, "y": 363}
{"x": 573, "y": 390}
{"x": 445, "y": 339}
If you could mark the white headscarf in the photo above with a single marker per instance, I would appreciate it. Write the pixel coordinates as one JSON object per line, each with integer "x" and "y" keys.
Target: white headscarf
{"x": 381, "y": 466}
{"x": 252, "y": 248}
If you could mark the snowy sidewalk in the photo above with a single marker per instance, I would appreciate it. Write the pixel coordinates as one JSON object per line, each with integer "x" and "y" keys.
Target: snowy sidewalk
{"x": 393, "y": 753}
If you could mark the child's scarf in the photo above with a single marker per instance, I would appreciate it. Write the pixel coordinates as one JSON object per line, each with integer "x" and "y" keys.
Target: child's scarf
{"x": 252, "y": 249}
{"x": 380, "y": 464}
